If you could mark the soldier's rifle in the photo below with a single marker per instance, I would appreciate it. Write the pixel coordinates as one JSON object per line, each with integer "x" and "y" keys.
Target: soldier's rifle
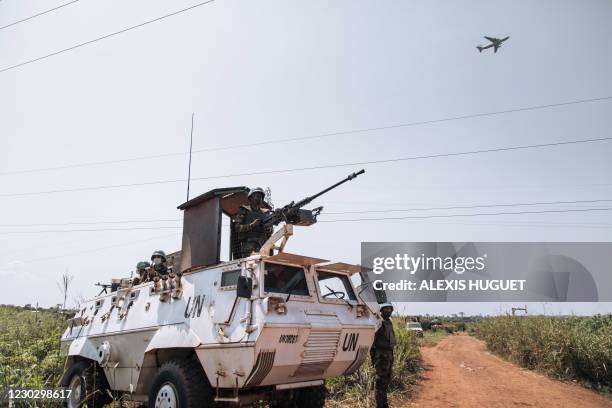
{"x": 293, "y": 213}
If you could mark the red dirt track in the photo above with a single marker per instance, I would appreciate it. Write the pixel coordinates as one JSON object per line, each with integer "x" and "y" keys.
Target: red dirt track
{"x": 460, "y": 372}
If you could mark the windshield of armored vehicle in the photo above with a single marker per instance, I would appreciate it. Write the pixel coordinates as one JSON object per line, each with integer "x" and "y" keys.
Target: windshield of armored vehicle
{"x": 335, "y": 286}
{"x": 285, "y": 279}
{"x": 414, "y": 325}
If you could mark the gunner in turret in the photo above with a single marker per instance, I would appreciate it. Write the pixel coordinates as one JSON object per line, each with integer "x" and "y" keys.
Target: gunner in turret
{"x": 250, "y": 234}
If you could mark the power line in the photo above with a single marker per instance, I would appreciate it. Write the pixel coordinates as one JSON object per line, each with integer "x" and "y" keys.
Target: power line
{"x": 422, "y": 217}
{"x": 21, "y": 64}
{"x": 90, "y": 230}
{"x": 310, "y": 137}
{"x": 514, "y": 224}
{"x": 416, "y": 217}
{"x": 324, "y": 213}
{"x": 327, "y": 166}
{"x": 38, "y": 14}
{"x": 98, "y": 249}
{"x": 92, "y": 222}
{"x": 458, "y": 207}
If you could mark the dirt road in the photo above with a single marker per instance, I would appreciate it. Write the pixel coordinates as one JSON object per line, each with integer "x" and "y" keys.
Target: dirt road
{"x": 460, "y": 373}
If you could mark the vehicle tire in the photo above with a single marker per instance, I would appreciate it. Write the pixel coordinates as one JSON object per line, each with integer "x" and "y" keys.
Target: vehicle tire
{"x": 310, "y": 397}
{"x": 180, "y": 384}
{"x": 88, "y": 385}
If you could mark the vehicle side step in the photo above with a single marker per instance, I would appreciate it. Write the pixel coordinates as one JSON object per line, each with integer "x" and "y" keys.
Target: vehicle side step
{"x": 234, "y": 400}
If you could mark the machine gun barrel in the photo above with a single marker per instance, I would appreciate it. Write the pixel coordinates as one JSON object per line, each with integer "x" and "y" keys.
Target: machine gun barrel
{"x": 288, "y": 212}
{"x": 308, "y": 200}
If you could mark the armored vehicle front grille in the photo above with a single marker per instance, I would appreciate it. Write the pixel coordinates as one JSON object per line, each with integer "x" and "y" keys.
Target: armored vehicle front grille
{"x": 362, "y": 353}
{"x": 263, "y": 365}
{"x": 319, "y": 352}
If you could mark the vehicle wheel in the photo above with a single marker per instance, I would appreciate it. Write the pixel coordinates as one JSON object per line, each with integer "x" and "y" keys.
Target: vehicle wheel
{"x": 310, "y": 397}
{"x": 87, "y": 384}
{"x": 180, "y": 384}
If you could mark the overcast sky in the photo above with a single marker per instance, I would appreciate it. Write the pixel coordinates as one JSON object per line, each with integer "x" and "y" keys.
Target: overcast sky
{"x": 255, "y": 71}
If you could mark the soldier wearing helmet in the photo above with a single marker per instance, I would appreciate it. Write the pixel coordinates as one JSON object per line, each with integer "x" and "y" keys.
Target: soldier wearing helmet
{"x": 142, "y": 269}
{"x": 250, "y": 234}
{"x": 382, "y": 355}
{"x": 158, "y": 260}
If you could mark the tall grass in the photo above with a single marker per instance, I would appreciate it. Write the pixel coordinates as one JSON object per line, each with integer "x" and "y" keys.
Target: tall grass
{"x": 357, "y": 390}
{"x": 577, "y": 348}
{"x": 29, "y": 350}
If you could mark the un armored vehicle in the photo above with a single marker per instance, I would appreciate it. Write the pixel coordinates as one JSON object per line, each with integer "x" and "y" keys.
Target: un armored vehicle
{"x": 272, "y": 326}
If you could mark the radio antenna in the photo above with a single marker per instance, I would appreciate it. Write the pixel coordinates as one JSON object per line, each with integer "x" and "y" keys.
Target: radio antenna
{"x": 190, "y": 146}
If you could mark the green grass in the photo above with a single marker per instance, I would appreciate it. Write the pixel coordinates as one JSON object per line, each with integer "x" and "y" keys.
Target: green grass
{"x": 431, "y": 338}
{"x": 569, "y": 348}
{"x": 29, "y": 349}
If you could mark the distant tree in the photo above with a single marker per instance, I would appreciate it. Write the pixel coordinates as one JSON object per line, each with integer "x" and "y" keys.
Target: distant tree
{"x": 64, "y": 286}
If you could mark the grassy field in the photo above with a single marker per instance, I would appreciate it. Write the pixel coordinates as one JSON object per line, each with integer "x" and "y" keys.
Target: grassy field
{"x": 570, "y": 348}
{"x": 29, "y": 347}
{"x": 29, "y": 358}
{"x": 432, "y": 338}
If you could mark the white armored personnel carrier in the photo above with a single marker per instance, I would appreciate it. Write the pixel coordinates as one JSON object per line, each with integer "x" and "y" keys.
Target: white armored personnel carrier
{"x": 272, "y": 326}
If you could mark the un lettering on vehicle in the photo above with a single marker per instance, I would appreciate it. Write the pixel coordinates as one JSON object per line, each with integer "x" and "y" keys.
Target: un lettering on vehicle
{"x": 194, "y": 309}
{"x": 350, "y": 341}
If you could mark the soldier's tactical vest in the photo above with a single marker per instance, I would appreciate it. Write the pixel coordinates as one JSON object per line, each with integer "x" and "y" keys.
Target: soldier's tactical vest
{"x": 258, "y": 234}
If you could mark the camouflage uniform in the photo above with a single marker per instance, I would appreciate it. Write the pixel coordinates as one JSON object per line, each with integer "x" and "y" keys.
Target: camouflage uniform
{"x": 142, "y": 268}
{"x": 144, "y": 277}
{"x": 382, "y": 360}
{"x": 249, "y": 239}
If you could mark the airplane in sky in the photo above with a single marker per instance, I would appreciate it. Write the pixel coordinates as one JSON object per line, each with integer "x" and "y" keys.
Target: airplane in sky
{"x": 495, "y": 43}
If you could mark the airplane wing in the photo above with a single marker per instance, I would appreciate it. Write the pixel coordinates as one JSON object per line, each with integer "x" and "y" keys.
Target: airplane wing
{"x": 492, "y": 39}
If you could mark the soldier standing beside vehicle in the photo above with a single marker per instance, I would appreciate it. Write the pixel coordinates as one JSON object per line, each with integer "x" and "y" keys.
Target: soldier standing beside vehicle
{"x": 382, "y": 355}
{"x": 250, "y": 232}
